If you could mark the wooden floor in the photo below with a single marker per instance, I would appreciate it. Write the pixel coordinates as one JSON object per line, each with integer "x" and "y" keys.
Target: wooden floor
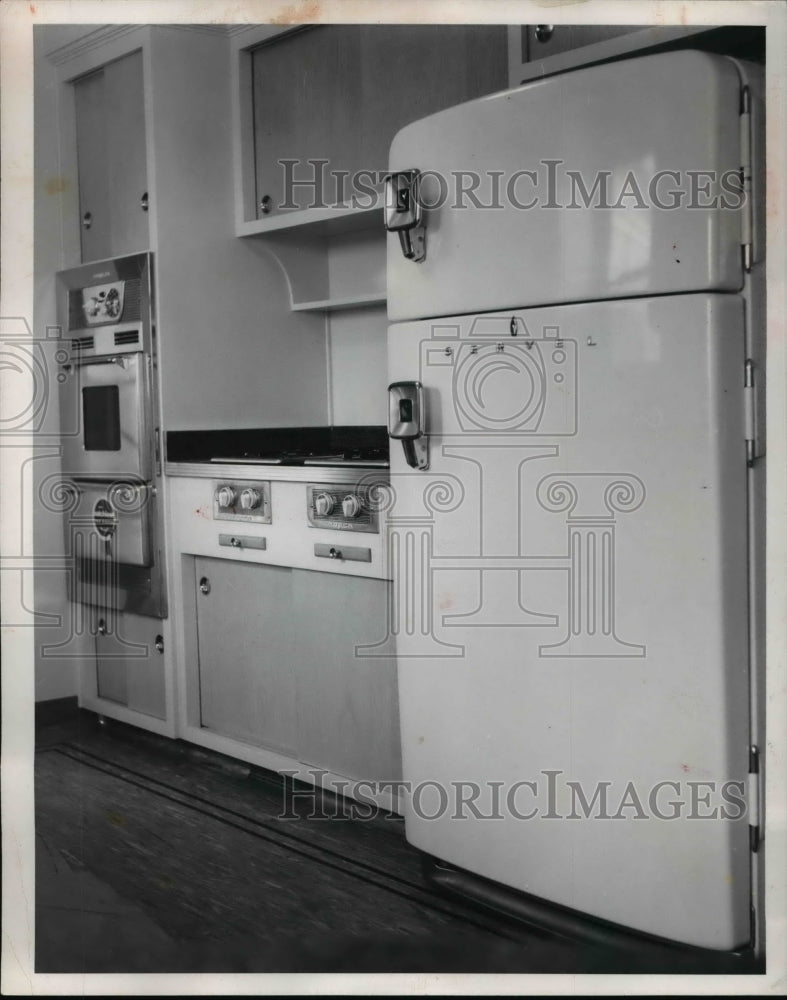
{"x": 156, "y": 856}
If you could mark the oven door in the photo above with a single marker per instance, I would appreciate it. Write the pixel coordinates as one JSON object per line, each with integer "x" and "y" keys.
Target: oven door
{"x": 111, "y": 523}
{"x": 111, "y": 397}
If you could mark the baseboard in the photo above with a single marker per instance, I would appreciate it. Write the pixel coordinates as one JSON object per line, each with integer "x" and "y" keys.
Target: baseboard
{"x": 56, "y": 710}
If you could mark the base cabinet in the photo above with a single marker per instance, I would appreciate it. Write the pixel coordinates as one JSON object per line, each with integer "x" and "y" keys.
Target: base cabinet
{"x": 348, "y": 715}
{"x": 245, "y": 637}
{"x": 279, "y": 667}
{"x": 130, "y": 667}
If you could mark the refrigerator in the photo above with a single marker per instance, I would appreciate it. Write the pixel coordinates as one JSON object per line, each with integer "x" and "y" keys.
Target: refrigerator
{"x": 576, "y": 359}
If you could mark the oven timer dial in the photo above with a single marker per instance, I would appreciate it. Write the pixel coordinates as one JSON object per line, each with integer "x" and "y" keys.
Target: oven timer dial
{"x": 226, "y": 496}
{"x": 351, "y": 505}
{"x": 323, "y": 504}
{"x": 250, "y": 499}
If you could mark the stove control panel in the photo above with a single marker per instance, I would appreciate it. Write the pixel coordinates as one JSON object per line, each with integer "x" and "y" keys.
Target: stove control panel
{"x": 346, "y": 508}
{"x": 242, "y": 501}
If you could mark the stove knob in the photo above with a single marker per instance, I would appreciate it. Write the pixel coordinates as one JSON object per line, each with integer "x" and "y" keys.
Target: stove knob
{"x": 226, "y": 496}
{"x": 249, "y": 499}
{"x": 323, "y": 504}
{"x": 351, "y": 505}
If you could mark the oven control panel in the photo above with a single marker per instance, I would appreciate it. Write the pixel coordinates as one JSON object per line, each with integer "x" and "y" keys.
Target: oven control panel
{"x": 346, "y": 508}
{"x": 241, "y": 500}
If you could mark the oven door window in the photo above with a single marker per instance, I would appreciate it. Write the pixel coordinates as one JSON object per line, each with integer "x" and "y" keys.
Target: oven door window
{"x": 101, "y": 417}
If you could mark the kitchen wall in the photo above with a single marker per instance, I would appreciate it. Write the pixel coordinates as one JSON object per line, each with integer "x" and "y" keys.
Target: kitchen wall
{"x": 358, "y": 366}
{"x": 358, "y": 336}
{"x": 232, "y": 353}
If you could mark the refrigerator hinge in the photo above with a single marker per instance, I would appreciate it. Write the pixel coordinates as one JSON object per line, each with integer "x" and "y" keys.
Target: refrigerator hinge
{"x": 745, "y": 175}
{"x": 750, "y": 412}
{"x": 753, "y": 798}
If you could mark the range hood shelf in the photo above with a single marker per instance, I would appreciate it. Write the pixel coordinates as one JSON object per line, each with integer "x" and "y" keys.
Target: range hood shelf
{"x": 348, "y": 302}
{"x": 324, "y": 221}
{"x": 308, "y": 242}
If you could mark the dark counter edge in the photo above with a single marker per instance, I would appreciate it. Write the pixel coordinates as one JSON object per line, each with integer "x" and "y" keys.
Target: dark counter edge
{"x": 201, "y": 446}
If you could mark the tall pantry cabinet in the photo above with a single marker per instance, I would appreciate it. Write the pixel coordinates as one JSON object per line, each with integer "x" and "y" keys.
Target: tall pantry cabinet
{"x": 145, "y": 163}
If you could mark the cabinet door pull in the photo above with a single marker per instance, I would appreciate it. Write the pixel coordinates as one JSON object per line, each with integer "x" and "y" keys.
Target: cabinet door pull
{"x": 204, "y": 585}
{"x": 87, "y": 220}
{"x": 160, "y": 643}
{"x": 144, "y": 202}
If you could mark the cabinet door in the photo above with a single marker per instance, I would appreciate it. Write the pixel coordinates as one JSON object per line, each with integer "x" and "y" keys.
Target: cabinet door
{"x": 111, "y": 154}
{"x": 340, "y": 93}
{"x": 93, "y": 168}
{"x": 348, "y": 715}
{"x": 126, "y": 153}
{"x": 409, "y": 71}
{"x": 245, "y": 630}
{"x": 130, "y": 665}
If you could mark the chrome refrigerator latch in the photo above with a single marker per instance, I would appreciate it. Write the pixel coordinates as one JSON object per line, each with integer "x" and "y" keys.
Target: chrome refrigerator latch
{"x": 406, "y": 422}
{"x": 404, "y": 212}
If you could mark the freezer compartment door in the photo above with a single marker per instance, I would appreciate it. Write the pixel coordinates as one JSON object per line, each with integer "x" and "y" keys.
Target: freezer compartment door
{"x": 612, "y": 181}
{"x": 570, "y": 607}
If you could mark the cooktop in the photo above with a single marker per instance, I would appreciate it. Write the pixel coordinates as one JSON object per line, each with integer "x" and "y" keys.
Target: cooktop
{"x": 345, "y": 445}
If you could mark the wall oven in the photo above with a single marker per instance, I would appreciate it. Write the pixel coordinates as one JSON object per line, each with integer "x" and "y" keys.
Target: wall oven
{"x": 111, "y": 459}
{"x": 111, "y": 396}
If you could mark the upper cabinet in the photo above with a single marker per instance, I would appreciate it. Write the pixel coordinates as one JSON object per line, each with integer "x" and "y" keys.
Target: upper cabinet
{"x": 111, "y": 158}
{"x": 328, "y": 100}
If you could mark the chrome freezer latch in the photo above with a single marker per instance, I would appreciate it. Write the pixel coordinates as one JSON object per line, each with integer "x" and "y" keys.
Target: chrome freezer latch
{"x": 404, "y": 213}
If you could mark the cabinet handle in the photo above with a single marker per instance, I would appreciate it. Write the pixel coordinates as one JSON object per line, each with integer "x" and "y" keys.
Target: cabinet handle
{"x": 160, "y": 643}
{"x": 204, "y": 585}
{"x": 87, "y": 220}
{"x": 144, "y": 202}
{"x": 265, "y": 204}
{"x": 102, "y": 627}
{"x": 544, "y": 32}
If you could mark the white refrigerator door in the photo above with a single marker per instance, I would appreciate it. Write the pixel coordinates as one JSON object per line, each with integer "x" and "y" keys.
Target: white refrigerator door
{"x": 652, "y": 146}
{"x": 570, "y": 605}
